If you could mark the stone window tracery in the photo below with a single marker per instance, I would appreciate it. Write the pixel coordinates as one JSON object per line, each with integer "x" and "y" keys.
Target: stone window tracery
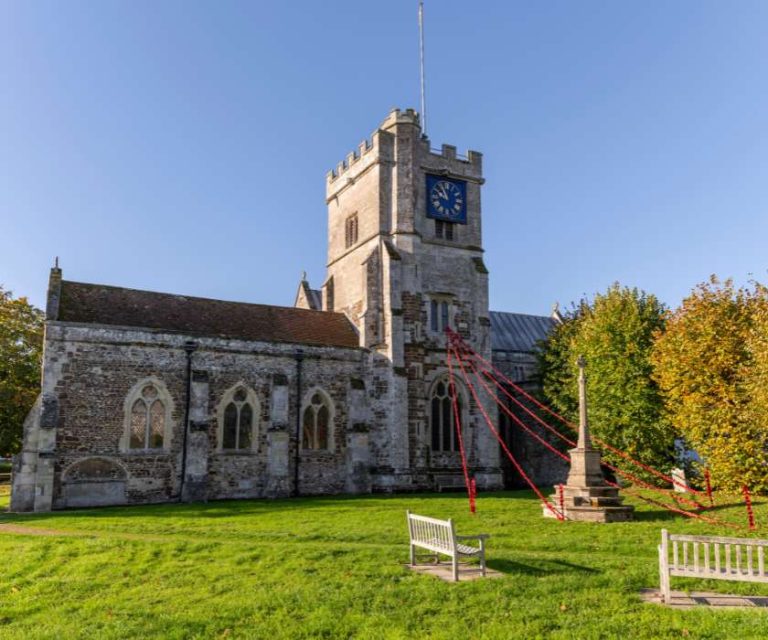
{"x": 147, "y": 420}
{"x": 442, "y": 420}
{"x": 238, "y": 420}
{"x": 317, "y": 422}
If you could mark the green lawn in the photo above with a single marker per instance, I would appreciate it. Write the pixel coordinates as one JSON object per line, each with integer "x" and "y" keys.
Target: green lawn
{"x": 333, "y": 568}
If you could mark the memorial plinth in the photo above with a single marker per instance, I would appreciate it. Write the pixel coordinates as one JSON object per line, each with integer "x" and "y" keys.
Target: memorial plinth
{"x": 586, "y": 495}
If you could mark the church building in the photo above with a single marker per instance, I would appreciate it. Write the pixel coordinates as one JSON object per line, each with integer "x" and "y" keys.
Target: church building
{"x": 151, "y": 397}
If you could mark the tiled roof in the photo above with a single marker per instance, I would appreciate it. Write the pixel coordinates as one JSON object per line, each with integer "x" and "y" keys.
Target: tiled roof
{"x": 518, "y": 331}
{"x": 101, "y": 304}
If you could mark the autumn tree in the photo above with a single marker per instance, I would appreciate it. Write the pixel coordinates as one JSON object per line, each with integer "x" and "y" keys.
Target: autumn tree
{"x": 21, "y": 340}
{"x": 709, "y": 362}
{"x": 615, "y": 333}
{"x": 757, "y": 379}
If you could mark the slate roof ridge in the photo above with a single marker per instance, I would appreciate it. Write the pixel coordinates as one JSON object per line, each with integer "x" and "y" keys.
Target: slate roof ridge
{"x": 199, "y": 298}
{"x": 520, "y": 332}
{"x": 98, "y": 304}
{"x": 529, "y": 315}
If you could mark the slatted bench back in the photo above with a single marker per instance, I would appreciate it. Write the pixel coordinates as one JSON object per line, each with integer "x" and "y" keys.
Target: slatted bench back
{"x": 432, "y": 534}
{"x": 715, "y": 557}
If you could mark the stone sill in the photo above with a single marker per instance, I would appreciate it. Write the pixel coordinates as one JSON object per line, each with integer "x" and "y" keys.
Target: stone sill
{"x": 234, "y": 452}
{"x": 139, "y": 453}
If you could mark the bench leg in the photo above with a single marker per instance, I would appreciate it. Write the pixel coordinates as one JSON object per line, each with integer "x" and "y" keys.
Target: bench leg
{"x": 482, "y": 557}
{"x": 413, "y": 556}
{"x": 664, "y": 586}
{"x": 456, "y": 567}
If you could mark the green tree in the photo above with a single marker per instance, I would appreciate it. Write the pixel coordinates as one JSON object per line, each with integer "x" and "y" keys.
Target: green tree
{"x": 615, "y": 333}
{"x": 21, "y": 341}
{"x": 709, "y": 362}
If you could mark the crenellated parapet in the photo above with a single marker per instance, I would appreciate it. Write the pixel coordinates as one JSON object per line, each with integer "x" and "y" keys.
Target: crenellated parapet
{"x": 380, "y": 147}
{"x": 364, "y": 148}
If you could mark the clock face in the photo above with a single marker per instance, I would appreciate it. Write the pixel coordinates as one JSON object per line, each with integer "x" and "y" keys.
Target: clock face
{"x": 447, "y": 199}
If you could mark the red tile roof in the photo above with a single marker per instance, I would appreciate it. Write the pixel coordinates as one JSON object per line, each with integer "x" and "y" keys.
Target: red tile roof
{"x": 101, "y": 304}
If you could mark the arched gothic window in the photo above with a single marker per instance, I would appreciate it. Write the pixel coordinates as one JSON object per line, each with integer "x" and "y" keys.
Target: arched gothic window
{"x": 238, "y": 416}
{"x": 148, "y": 414}
{"x": 442, "y": 421}
{"x": 316, "y": 423}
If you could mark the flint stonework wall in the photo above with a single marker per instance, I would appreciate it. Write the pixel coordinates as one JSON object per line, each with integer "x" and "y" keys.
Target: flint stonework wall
{"x": 95, "y": 368}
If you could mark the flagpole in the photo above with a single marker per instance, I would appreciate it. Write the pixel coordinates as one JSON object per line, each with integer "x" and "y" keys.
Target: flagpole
{"x": 421, "y": 65}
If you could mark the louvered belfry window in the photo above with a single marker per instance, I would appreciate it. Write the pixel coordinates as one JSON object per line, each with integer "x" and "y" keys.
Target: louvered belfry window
{"x": 350, "y": 231}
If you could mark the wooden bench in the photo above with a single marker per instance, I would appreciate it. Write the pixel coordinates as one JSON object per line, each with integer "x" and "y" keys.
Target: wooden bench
{"x": 439, "y": 537}
{"x": 452, "y": 482}
{"x": 713, "y": 557}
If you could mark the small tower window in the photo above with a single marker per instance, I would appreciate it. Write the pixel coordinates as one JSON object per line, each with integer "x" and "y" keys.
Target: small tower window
{"x": 439, "y": 315}
{"x": 350, "y": 231}
{"x": 445, "y": 230}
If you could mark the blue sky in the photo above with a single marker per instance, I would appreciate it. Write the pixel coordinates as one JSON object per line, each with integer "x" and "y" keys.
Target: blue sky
{"x": 183, "y": 146}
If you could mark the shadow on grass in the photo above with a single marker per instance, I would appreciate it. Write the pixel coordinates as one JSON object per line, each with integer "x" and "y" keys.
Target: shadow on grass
{"x": 540, "y": 568}
{"x": 656, "y": 516}
{"x": 216, "y": 509}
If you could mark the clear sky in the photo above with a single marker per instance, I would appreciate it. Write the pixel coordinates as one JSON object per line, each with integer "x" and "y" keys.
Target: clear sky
{"x": 183, "y": 146}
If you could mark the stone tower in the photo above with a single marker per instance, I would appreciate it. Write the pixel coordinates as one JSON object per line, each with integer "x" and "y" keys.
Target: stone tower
{"x": 405, "y": 260}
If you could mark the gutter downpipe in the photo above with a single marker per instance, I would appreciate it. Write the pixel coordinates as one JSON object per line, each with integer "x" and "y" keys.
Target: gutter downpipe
{"x": 189, "y": 348}
{"x": 299, "y": 357}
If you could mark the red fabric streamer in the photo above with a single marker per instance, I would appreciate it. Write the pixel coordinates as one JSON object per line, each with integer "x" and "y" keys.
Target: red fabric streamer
{"x": 464, "y": 355}
{"x": 625, "y": 474}
{"x": 688, "y": 514}
{"x": 748, "y": 503}
{"x": 459, "y": 436}
{"x": 457, "y": 338}
{"x": 503, "y": 444}
{"x": 709, "y": 488}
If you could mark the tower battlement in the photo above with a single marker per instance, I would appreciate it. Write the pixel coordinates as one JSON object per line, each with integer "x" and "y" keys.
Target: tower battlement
{"x": 402, "y": 117}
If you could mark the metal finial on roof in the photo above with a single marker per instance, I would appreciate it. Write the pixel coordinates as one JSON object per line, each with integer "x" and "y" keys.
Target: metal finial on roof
{"x": 303, "y": 276}
{"x": 56, "y": 263}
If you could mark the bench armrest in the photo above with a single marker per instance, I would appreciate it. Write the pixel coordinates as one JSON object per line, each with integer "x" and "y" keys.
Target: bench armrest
{"x": 481, "y": 536}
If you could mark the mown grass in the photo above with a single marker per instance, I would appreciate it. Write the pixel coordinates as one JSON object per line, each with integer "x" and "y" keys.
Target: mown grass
{"x": 332, "y": 567}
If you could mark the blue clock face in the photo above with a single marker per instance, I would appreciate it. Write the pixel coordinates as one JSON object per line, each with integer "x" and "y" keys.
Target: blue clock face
{"x": 446, "y": 199}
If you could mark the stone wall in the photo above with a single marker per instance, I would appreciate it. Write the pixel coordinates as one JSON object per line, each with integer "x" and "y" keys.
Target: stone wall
{"x": 90, "y": 371}
{"x": 539, "y": 463}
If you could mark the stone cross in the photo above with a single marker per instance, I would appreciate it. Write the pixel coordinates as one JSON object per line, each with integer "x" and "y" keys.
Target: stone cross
{"x": 586, "y": 495}
{"x": 584, "y": 440}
